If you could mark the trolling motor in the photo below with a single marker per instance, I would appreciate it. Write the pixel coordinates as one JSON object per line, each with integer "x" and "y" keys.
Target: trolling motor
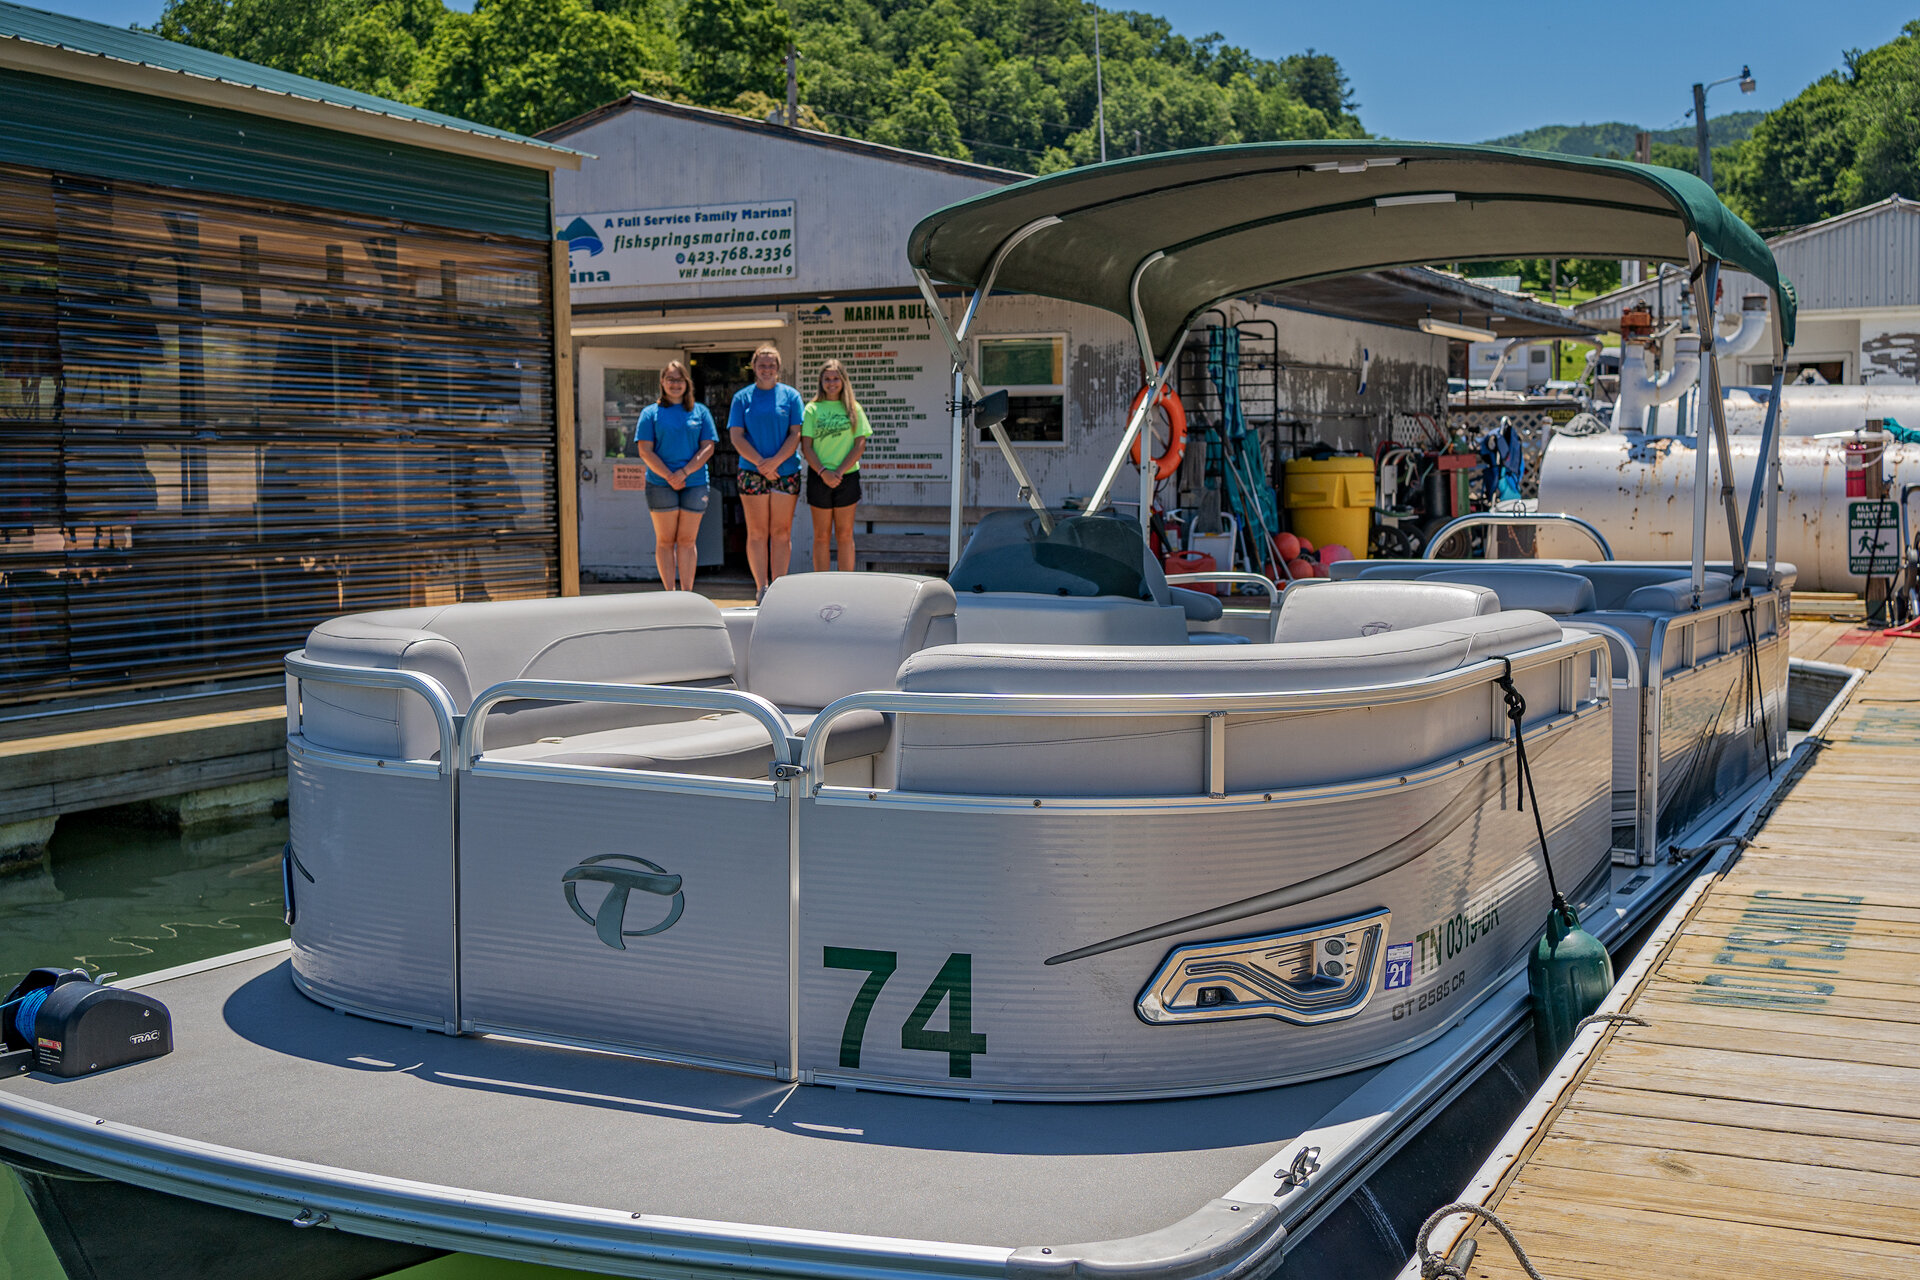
{"x": 59, "y": 1022}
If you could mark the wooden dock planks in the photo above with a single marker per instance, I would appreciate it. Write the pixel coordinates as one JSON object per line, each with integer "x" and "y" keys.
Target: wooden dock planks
{"x": 1768, "y": 1121}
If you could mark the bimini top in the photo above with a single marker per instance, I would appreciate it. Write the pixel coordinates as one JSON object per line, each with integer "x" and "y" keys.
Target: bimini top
{"x": 1232, "y": 220}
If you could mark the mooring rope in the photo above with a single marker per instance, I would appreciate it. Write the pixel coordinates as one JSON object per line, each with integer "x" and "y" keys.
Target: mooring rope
{"x": 1516, "y": 712}
{"x": 1432, "y": 1267}
{"x": 29, "y": 1009}
{"x": 1623, "y": 1019}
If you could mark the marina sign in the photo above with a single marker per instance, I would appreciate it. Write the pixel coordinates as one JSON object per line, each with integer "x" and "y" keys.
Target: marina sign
{"x": 1873, "y": 537}
{"x": 691, "y": 244}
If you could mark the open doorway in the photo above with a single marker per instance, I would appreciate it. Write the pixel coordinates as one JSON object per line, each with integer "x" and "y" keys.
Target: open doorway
{"x": 716, "y": 376}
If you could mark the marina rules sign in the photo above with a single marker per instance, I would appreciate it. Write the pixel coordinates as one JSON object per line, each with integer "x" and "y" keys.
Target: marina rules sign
{"x": 693, "y": 244}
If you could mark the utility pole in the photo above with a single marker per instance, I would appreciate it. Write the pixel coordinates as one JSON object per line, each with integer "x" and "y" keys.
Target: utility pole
{"x": 793, "y": 87}
{"x": 1700, "y": 133}
{"x": 1747, "y": 85}
{"x": 1099, "y": 85}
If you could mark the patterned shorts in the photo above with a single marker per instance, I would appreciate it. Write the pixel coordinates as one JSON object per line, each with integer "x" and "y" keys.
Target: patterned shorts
{"x": 753, "y": 484}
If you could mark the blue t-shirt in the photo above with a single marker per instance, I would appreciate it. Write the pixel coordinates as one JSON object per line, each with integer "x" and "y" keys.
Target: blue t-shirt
{"x": 768, "y": 417}
{"x": 676, "y": 435}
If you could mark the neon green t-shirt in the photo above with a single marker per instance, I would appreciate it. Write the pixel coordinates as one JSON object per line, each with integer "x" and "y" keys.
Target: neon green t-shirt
{"x": 825, "y": 423}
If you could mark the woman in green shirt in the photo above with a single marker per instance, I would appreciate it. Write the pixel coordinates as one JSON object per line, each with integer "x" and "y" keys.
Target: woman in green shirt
{"x": 833, "y": 435}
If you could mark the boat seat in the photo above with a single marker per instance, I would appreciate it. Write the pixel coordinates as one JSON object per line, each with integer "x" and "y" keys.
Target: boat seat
{"x": 1318, "y": 609}
{"x": 1551, "y": 591}
{"x": 728, "y": 744}
{"x": 673, "y": 637}
{"x": 816, "y": 638}
{"x": 1162, "y": 755}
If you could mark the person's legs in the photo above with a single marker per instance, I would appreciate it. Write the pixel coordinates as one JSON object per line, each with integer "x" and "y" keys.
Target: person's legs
{"x": 689, "y": 547}
{"x": 843, "y": 535}
{"x": 666, "y": 546}
{"x": 757, "y": 507}
{"x": 822, "y": 538}
{"x": 780, "y": 533}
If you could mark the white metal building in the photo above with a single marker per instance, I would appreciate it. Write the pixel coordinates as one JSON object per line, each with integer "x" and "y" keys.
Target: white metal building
{"x": 1858, "y": 279}
{"x": 697, "y": 234}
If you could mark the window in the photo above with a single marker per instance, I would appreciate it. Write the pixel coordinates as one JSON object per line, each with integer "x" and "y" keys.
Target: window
{"x": 1031, "y": 371}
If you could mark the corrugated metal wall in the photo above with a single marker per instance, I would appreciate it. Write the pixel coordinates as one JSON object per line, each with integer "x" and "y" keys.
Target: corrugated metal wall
{"x": 222, "y": 422}
{"x": 134, "y": 137}
{"x": 1866, "y": 259}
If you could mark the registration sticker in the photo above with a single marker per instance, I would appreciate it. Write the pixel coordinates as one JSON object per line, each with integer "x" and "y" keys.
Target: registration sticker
{"x": 1399, "y": 965}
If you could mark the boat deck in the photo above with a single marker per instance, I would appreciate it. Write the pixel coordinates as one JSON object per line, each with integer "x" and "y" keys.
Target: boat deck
{"x": 1768, "y": 1118}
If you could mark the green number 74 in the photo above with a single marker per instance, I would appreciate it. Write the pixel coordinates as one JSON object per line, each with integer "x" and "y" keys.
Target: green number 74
{"x": 954, "y": 984}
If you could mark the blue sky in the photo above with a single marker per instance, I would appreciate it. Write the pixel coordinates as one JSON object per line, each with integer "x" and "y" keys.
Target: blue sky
{"x": 1454, "y": 72}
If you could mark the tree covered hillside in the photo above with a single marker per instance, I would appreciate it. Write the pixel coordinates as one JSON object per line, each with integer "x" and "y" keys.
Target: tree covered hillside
{"x": 1616, "y": 139}
{"x": 1004, "y": 82}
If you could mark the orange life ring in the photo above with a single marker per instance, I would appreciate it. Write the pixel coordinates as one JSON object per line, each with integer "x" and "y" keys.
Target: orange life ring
{"x": 1169, "y": 462}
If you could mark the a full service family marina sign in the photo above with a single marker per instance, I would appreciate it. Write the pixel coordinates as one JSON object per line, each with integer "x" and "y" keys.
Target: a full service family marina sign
{"x": 684, "y": 245}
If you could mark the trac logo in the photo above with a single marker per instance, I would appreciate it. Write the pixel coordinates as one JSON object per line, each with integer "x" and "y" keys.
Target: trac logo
{"x": 622, "y": 875}
{"x": 578, "y": 236}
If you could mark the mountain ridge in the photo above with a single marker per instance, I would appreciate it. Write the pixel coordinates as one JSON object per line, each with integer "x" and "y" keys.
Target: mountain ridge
{"x": 1616, "y": 137}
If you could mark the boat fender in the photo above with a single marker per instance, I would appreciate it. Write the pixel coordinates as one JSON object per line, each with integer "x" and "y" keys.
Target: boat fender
{"x": 61, "y": 1023}
{"x": 1570, "y": 972}
{"x": 1169, "y": 462}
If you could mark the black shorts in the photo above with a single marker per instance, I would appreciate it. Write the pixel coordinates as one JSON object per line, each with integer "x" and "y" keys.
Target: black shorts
{"x": 846, "y": 495}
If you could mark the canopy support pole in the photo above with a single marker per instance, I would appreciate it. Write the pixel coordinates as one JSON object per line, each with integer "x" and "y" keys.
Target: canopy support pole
{"x": 970, "y": 386}
{"x": 1156, "y": 378}
{"x": 1703, "y": 278}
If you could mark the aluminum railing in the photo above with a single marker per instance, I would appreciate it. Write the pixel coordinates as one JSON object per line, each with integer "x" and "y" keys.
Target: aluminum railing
{"x": 1509, "y": 519}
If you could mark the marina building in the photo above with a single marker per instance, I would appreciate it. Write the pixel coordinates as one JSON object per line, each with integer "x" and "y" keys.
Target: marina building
{"x": 269, "y": 350}
{"x": 1857, "y": 275}
{"x": 798, "y": 238}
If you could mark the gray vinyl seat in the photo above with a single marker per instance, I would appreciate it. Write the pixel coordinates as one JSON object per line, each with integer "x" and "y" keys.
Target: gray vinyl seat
{"x": 1320, "y": 609}
{"x": 816, "y": 638}
{"x": 1160, "y": 755}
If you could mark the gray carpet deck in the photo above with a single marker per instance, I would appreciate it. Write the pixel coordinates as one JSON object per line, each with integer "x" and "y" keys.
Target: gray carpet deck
{"x": 259, "y": 1067}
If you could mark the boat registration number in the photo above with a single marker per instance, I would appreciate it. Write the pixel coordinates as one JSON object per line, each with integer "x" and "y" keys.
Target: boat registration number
{"x": 1432, "y": 996}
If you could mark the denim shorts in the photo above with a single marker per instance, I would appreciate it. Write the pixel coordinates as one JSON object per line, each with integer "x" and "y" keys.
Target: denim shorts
{"x": 664, "y": 497}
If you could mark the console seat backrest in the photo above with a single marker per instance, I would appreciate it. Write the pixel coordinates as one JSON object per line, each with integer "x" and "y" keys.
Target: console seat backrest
{"x": 1161, "y": 755}
{"x": 654, "y": 638}
{"x": 1548, "y": 590}
{"x": 821, "y": 636}
{"x": 1318, "y": 609}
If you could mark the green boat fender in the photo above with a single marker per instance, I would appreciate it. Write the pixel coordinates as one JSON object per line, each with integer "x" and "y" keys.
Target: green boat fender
{"x": 1569, "y": 975}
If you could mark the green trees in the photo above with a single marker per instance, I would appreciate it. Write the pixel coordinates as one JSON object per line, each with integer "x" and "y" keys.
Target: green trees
{"x": 1849, "y": 139}
{"x": 1005, "y": 82}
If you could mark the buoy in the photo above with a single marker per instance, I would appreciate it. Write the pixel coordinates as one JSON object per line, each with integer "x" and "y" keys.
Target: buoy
{"x": 1568, "y": 977}
{"x": 1334, "y": 553}
{"x": 1169, "y": 402}
{"x": 1298, "y": 568}
{"x": 1305, "y": 546}
{"x": 1287, "y": 545}
{"x": 1321, "y": 571}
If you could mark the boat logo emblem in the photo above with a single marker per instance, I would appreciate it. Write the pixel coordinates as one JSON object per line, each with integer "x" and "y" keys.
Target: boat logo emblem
{"x": 610, "y": 921}
{"x": 831, "y": 612}
{"x": 1375, "y": 628}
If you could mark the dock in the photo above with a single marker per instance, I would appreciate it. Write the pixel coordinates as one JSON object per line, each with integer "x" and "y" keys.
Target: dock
{"x": 1767, "y": 1117}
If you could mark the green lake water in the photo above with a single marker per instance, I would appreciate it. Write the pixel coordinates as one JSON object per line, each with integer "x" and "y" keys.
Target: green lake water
{"x": 128, "y": 900}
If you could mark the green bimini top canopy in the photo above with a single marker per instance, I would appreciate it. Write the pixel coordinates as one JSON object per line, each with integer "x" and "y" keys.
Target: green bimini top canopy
{"x": 1229, "y": 221}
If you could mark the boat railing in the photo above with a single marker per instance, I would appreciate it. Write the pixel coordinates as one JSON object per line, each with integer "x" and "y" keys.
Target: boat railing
{"x": 786, "y": 743}
{"x": 1223, "y": 577}
{"x": 446, "y": 718}
{"x": 1511, "y": 519}
{"x": 1214, "y": 707}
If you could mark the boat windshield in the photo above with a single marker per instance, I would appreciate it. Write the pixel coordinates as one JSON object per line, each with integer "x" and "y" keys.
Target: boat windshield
{"x": 1083, "y": 555}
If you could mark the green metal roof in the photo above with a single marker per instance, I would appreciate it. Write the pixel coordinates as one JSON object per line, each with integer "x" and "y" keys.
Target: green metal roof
{"x": 1228, "y": 221}
{"x": 139, "y": 48}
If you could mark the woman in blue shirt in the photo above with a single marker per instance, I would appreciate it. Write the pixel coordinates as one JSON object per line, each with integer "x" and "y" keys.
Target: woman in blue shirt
{"x": 764, "y": 425}
{"x": 675, "y": 437}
